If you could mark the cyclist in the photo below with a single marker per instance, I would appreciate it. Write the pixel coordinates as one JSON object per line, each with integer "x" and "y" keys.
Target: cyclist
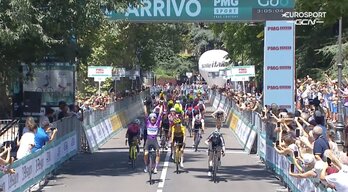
{"x": 201, "y": 107}
{"x": 165, "y": 125}
{"x": 178, "y": 136}
{"x": 197, "y": 124}
{"x": 133, "y": 135}
{"x": 189, "y": 117}
{"x": 215, "y": 141}
{"x": 152, "y": 126}
{"x": 220, "y": 116}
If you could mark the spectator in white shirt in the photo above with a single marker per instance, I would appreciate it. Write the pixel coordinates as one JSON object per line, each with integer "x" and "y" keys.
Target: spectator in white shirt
{"x": 27, "y": 141}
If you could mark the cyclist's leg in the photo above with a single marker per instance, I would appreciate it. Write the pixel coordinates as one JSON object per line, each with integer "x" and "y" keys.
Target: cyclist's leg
{"x": 129, "y": 150}
{"x": 182, "y": 147}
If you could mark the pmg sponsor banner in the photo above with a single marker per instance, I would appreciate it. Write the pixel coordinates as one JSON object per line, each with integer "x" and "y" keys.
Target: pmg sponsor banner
{"x": 216, "y": 101}
{"x": 105, "y": 129}
{"x": 251, "y": 140}
{"x": 279, "y": 64}
{"x": 32, "y": 168}
{"x": 115, "y": 122}
{"x": 234, "y": 122}
{"x": 199, "y": 10}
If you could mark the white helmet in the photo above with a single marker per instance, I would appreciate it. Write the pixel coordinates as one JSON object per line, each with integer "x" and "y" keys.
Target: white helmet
{"x": 137, "y": 121}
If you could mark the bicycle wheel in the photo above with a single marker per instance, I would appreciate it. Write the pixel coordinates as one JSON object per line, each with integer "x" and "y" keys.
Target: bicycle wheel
{"x": 177, "y": 158}
{"x": 197, "y": 140}
{"x": 163, "y": 142}
{"x": 215, "y": 167}
{"x": 189, "y": 128}
{"x": 150, "y": 167}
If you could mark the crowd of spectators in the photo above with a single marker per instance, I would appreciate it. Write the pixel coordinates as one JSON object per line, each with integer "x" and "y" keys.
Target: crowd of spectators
{"x": 306, "y": 136}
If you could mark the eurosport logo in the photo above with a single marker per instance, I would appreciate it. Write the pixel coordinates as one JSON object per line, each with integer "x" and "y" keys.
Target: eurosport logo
{"x": 305, "y": 18}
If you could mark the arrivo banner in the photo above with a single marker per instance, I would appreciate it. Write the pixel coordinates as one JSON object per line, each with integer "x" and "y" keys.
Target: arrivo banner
{"x": 279, "y": 64}
{"x": 198, "y": 10}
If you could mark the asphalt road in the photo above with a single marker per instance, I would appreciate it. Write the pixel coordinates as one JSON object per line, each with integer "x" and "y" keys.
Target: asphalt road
{"x": 107, "y": 170}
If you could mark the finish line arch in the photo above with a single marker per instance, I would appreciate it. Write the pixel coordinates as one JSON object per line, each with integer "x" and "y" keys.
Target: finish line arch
{"x": 279, "y": 46}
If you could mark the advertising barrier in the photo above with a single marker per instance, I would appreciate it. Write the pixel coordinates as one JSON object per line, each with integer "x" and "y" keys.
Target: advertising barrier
{"x": 100, "y": 126}
{"x": 34, "y": 167}
{"x": 250, "y": 130}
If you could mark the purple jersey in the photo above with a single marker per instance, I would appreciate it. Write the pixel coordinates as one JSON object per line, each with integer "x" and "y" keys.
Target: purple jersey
{"x": 152, "y": 129}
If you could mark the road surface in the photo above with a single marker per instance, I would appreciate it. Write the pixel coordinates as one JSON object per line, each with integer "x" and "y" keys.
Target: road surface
{"x": 108, "y": 170}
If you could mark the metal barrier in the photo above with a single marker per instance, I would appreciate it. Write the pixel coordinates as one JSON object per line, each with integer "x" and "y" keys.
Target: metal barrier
{"x": 9, "y": 129}
{"x": 100, "y": 126}
{"x": 249, "y": 128}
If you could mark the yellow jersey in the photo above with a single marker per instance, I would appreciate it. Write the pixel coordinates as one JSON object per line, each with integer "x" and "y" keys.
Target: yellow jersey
{"x": 178, "y": 131}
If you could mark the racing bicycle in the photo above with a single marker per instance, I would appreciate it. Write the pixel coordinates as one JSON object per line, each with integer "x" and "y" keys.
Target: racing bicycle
{"x": 133, "y": 152}
{"x": 151, "y": 165}
{"x": 197, "y": 138}
{"x": 177, "y": 155}
{"x": 216, "y": 163}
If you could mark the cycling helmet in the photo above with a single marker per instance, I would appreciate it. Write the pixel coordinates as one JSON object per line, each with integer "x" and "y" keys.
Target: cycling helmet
{"x": 177, "y": 121}
{"x": 156, "y": 109}
{"x": 172, "y": 110}
{"x": 153, "y": 115}
{"x": 177, "y": 101}
{"x": 137, "y": 121}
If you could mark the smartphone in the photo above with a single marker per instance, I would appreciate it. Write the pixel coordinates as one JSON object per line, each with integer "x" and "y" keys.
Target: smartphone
{"x": 328, "y": 160}
{"x": 296, "y": 154}
{"x": 297, "y": 131}
{"x": 292, "y": 167}
{"x": 278, "y": 124}
{"x": 277, "y": 143}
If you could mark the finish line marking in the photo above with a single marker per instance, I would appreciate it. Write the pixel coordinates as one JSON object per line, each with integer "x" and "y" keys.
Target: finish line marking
{"x": 187, "y": 150}
{"x": 164, "y": 173}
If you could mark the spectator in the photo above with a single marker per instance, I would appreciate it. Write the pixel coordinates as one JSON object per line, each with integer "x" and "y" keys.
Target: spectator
{"x": 63, "y": 110}
{"x": 47, "y": 117}
{"x": 7, "y": 161}
{"x": 30, "y": 121}
{"x": 27, "y": 142}
{"x": 321, "y": 144}
{"x": 42, "y": 135}
{"x": 312, "y": 170}
{"x": 337, "y": 181}
{"x": 75, "y": 111}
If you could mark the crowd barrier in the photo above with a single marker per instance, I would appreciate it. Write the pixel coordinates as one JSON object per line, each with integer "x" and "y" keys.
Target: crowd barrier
{"x": 33, "y": 168}
{"x": 100, "y": 126}
{"x": 256, "y": 136}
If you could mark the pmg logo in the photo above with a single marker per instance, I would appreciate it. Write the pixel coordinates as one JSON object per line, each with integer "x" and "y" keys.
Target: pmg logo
{"x": 274, "y": 3}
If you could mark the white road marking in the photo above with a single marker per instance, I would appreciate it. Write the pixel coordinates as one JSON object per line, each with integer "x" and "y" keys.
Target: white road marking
{"x": 164, "y": 173}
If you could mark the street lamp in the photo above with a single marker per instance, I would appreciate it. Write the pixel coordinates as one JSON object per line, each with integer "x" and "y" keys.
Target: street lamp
{"x": 340, "y": 123}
